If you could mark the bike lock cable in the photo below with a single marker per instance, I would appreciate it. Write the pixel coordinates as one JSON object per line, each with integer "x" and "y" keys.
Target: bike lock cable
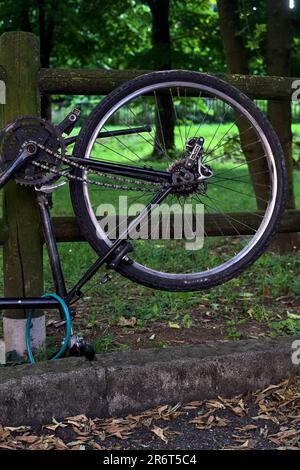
{"x": 65, "y": 344}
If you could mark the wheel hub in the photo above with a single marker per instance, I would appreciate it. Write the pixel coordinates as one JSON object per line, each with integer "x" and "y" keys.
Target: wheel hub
{"x": 184, "y": 181}
{"x": 190, "y": 174}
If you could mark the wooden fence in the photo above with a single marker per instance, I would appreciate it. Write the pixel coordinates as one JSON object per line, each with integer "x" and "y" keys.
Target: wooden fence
{"x": 20, "y": 231}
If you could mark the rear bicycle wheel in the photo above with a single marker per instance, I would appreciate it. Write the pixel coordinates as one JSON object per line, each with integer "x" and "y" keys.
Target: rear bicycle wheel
{"x": 164, "y": 110}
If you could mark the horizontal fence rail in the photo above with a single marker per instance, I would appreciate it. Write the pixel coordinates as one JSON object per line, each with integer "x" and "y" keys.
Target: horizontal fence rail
{"x": 215, "y": 225}
{"x": 101, "y": 82}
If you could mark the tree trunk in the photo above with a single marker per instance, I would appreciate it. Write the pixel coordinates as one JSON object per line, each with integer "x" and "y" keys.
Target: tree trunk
{"x": 278, "y": 64}
{"x": 279, "y": 112}
{"x": 161, "y": 60}
{"x": 237, "y": 63}
{"x": 46, "y": 29}
{"x": 24, "y": 16}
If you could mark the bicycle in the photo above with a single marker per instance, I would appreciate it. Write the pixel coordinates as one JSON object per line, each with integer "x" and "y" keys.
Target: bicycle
{"x": 165, "y": 136}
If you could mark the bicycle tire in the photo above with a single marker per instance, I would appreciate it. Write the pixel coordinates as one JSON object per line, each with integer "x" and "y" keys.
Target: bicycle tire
{"x": 147, "y": 276}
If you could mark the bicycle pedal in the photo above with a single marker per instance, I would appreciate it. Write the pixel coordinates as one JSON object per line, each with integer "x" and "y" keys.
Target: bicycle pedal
{"x": 89, "y": 352}
{"x": 78, "y": 347}
{"x": 106, "y": 278}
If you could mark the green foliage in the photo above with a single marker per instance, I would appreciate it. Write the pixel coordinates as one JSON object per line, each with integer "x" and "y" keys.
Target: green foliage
{"x": 103, "y": 344}
{"x": 289, "y": 326}
{"x": 259, "y": 313}
{"x": 117, "y": 33}
{"x": 232, "y": 331}
{"x": 187, "y": 321}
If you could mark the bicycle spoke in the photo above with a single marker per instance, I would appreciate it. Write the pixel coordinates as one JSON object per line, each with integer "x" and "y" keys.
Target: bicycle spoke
{"x": 240, "y": 192}
{"x": 176, "y": 117}
{"x": 195, "y": 108}
{"x": 229, "y": 218}
{"x": 238, "y": 179}
{"x": 242, "y": 164}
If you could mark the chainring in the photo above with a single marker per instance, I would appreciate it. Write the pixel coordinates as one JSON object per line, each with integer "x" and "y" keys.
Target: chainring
{"x": 31, "y": 128}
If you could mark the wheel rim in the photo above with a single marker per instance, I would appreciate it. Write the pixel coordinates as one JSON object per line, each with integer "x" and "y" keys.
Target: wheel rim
{"x": 249, "y": 244}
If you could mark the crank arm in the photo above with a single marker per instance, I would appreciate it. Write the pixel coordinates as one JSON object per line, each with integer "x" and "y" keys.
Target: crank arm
{"x": 27, "y": 153}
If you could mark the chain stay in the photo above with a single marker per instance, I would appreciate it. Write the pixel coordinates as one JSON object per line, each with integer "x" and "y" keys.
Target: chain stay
{"x": 90, "y": 181}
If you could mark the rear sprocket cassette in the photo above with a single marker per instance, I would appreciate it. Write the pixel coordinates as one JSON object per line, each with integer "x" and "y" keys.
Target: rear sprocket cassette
{"x": 32, "y": 128}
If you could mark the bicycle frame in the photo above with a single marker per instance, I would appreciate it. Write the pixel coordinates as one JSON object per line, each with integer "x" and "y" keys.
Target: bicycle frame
{"x": 115, "y": 254}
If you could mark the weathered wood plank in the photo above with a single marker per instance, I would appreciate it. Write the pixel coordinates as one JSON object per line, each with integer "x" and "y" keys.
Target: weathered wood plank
{"x": 2, "y": 74}
{"x": 67, "y": 229}
{"x": 23, "y": 269}
{"x": 101, "y": 82}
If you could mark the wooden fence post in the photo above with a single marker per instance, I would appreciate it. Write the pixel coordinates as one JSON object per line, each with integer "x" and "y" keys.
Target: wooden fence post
{"x": 22, "y": 252}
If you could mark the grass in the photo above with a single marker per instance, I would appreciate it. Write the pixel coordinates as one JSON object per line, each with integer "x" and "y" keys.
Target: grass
{"x": 255, "y": 296}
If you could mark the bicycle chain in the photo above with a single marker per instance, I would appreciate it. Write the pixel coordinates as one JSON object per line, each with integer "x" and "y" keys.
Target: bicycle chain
{"x": 89, "y": 181}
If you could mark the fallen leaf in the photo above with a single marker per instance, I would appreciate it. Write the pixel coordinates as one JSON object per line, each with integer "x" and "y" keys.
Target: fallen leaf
{"x": 248, "y": 427}
{"x": 215, "y": 404}
{"x": 17, "y": 429}
{"x": 75, "y": 443}
{"x": 204, "y": 421}
{"x": 160, "y": 433}
{"x": 293, "y": 316}
{"x": 55, "y": 425}
{"x": 238, "y": 411}
{"x": 29, "y": 439}
{"x": 97, "y": 446}
{"x": 192, "y": 405}
{"x": 221, "y": 422}
{"x": 5, "y": 446}
{"x": 267, "y": 418}
{"x": 267, "y": 292}
{"x": 244, "y": 446}
{"x": 120, "y": 427}
{"x": 131, "y": 322}
{"x": 81, "y": 433}
{"x": 282, "y": 436}
{"x": 288, "y": 448}
{"x": 168, "y": 412}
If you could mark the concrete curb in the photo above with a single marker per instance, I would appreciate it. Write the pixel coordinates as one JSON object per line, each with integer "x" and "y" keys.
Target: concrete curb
{"x": 131, "y": 381}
